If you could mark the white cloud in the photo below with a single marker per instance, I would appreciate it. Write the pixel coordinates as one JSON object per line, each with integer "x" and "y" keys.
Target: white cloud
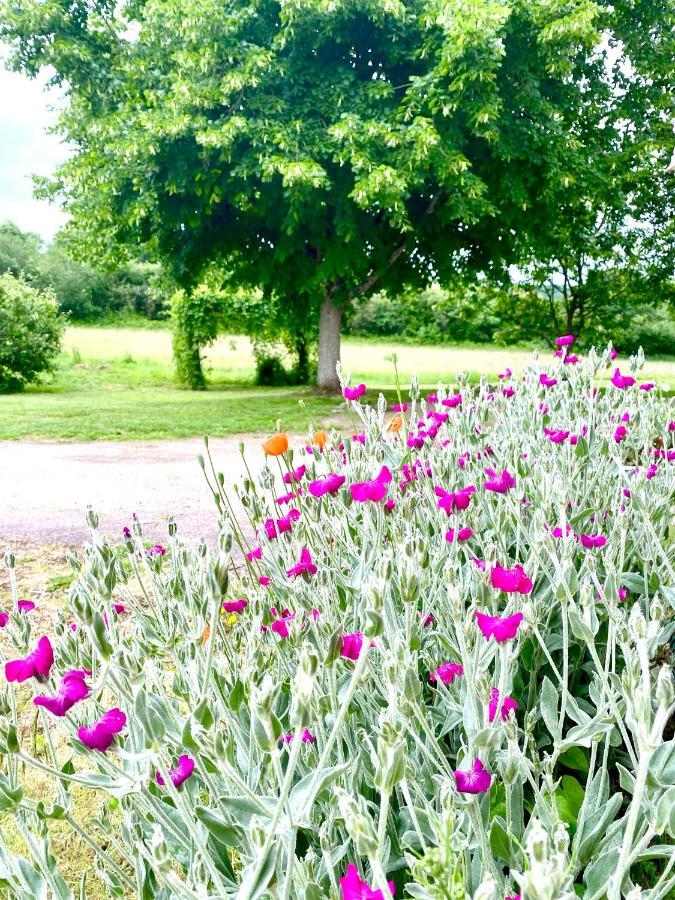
{"x": 26, "y": 149}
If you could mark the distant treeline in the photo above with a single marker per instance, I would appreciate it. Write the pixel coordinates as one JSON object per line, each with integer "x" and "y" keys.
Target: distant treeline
{"x": 82, "y": 292}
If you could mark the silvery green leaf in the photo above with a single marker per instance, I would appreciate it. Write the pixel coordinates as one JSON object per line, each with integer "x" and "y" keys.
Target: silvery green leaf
{"x": 256, "y": 877}
{"x": 598, "y": 876}
{"x": 244, "y": 808}
{"x": 595, "y": 827}
{"x": 665, "y": 813}
{"x": 305, "y": 792}
{"x": 662, "y": 765}
{"x": 225, "y": 832}
{"x": 549, "y": 705}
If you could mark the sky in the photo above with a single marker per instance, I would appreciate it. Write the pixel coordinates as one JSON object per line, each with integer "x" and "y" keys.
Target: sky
{"x": 25, "y": 150}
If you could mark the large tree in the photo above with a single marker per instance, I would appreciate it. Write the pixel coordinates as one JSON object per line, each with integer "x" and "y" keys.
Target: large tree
{"x": 321, "y": 149}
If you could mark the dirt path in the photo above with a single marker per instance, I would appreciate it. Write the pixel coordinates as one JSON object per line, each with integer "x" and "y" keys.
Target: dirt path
{"x": 45, "y": 487}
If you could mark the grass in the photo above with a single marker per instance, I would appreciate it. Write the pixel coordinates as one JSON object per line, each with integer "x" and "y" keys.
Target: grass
{"x": 116, "y": 383}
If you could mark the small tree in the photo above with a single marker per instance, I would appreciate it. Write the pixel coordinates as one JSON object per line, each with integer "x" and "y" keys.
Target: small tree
{"x": 30, "y": 333}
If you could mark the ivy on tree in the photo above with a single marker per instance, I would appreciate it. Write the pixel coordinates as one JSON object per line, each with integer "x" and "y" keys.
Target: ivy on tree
{"x": 318, "y": 151}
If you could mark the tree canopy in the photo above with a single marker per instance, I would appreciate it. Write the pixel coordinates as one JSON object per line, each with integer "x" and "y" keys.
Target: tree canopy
{"x": 321, "y": 149}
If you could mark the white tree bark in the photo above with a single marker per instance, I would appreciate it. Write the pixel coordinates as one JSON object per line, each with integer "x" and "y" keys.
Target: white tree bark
{"x": 330, "y": 321}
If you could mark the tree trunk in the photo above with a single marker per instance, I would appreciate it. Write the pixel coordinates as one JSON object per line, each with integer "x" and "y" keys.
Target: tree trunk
{"x": 330, "y": 319}
{"x": 302, "y": 365}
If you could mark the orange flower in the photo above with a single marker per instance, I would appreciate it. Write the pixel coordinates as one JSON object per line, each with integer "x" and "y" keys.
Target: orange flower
{"x": 320, "y": 438}
{"x": 396, "y": 423}
{"x": 206, "y": 634}
{"x": 276, "y": 445}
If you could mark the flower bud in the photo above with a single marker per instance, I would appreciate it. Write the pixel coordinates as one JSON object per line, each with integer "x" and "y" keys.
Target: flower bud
{"x": 664, "y": 687}
{"x": 358, "y": 823}
{"x": 9, "y": 739}
{"x": 10, "y": 558}
{"x": 160, "y": 851}
{"x": 91, "y": 518}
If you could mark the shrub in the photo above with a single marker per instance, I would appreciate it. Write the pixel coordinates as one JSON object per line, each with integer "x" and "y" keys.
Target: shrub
{"x": 30, "y": 333}
{"x": 440, "y": 664}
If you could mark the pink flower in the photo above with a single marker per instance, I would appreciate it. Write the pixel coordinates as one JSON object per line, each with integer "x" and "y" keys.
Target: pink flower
{"x": 4, "y": 618}
{"x": 351, "y": 645}
{"x": 235, "y": 606}
{"x": 36, "y": 665}
{"x": 517, "y": 896}
{"x": 500, "y": 484}
{"x": 570, "y": 360}
{"x": 180, "y": 774}
{"x": 508, "y": 704}
{"x": 451, "y": 402}
{"x": 374, "y": 490}
{"x": 295, "y": 475}
{"x": 652, "y": 471}
{"x": 462, "y": 535}
{"x": 72, "y": 689}
{"x": 456, "y": 500}
{"x": 565, "y": 340}
{"x": 354, "y": 888}
{"x": 622, "y": 381}
{"x": 558, "y": 532}
{"x": 447, "y": 672}
{"x": 101, "y": 734}
{"x": 510, "y": 580}
{"x": 428, "y": 620}
{"x": 307, "y": 737}
{"x": 501, "y": 629}
{"x": 256, "y": 553}
{"x": 622, "y": 593}
{"x": 264, "y": 580}
{"x": 545, "y": 381}
{"x": 590, "y": 541}
{"x": 504, "y": 375}
{"x": 476, "y": 780}
{"x": 279, "y": 625}
{"x": 156, "y": 551}
{"x": 620, "y": 433}
{"x": 353, "y": 393}
{"x": 648, "y": 386}
{"x": 556, "y": 435}
{"x": 478, "y": 563}
{"x": 400, "y": 407}
{"x": 304, "y": 565}
{"x": 330, "y": 484}
{"x": 508, "y": 391}
{"x": 25, "y": 606}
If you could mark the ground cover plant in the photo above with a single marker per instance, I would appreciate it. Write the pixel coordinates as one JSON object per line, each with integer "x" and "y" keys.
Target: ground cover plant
{"x": 429, "y": 657}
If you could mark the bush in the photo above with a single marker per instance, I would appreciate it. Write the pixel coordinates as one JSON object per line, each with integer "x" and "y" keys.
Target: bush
{"x": 30, "y": 333}
{"x": 440, "y": 664}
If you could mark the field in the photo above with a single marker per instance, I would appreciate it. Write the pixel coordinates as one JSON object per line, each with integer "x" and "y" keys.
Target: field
{"x": 117, "y": 384}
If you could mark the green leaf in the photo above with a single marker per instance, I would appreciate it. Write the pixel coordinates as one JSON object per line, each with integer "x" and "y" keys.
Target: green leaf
{"x": 306, "y": 791}
{"x": 665, "y": 813}
{"x": 569, "y": 797}
{"x": 574, "y": 758}
{"x": 499, "y": 839}
{"x": 226, "y": 833}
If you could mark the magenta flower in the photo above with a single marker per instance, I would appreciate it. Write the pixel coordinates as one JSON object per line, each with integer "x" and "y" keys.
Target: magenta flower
{"x": 351, "y": 645}
{"x": 501, "y": 629}
{"x": 156, "y": 551}
{"x": 462, "y": 535}
{"x": 622, "y": 381}
{"x": 447, "y": 672}
{"x": 571, "y": 360}
{"x": 506, "y": 374}
{"x": 256, "y": 553}
{"x": 25, "y": 606}
{"x": 400, "y": 407}
{"x": 454, "y": 500}
{"x": 476, "y": 780}
{"x": 558, "y": 532}
{"x": 648, "y": 386}
{"x": 374, "y": 490}
{"x": 451, "y": 402}
{"x": 264, "y": 580}
{"x": 547, "y": 382}
{"x": 353, "y": 393}
{"x": 510, "y": 580}
{"x": 280, "y": 624}
{"x": 72, "y": 689}
{"x": 354, "y": 888}
{"x": 652, "y": 471}
{"x": 499, "y": 484}
{"x": 295, "y": 475}
{"x": 180, "y": 774}
{"x": 101, "y": 734}
{"x": 565, "y": 340}
{"x": 307, "y": 737}
{"x": 620, "y": 433}
{"x": 235, "y": 606}
{"x": 517, "y": 896}
{"x": 591, "y": 541}
{"x": 557, "y": 435}
{"x": 330, "y": 484}
{"x": 508, "y": 704}
{"x": 304, "y": 565}
{"x": 36, "y": 665}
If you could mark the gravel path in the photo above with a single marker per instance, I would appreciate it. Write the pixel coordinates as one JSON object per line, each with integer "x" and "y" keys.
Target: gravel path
{"x": 45, "y": 487}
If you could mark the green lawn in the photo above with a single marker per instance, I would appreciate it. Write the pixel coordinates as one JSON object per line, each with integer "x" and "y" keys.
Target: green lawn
{"x": 117, "y": 383}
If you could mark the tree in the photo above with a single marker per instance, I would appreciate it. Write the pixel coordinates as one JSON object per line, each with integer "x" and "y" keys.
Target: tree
{"x": 322, "y": 150}
{"x": 19, "y": 250}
